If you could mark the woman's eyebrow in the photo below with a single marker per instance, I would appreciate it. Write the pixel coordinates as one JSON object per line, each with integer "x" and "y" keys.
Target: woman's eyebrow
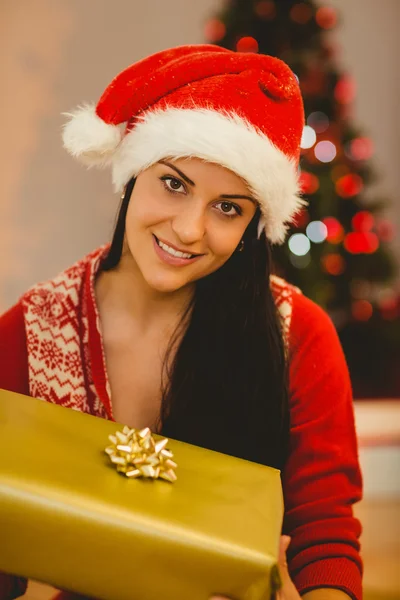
{"x": 167, "y": 164}
{"x": 238, "y": 197}
{"x": 190, "y": 182}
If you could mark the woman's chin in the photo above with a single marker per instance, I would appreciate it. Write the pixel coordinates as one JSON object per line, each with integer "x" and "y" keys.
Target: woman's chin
{"x": 167, "y": 285}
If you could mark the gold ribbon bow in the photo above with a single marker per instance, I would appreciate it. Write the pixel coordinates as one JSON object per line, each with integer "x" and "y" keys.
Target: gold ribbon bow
{"x": 137, "y": 454}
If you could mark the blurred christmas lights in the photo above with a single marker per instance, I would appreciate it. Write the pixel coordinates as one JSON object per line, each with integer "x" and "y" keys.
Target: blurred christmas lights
{"x": 360, "y": 148}
{"x": 362, "y": 310}
{"x": 317, "y": 232}
{"x": 265, "y": 9}
{"x": 299, "y": 244}
{"x": 308, "y": 138}
{"x": 214, "y": 30}
{"x": 318, "y": 121}
{"x": 361, "y": 242}
{"x": 345, "y": 90}
{"x": 385, "y": 229}
{"x": 333, "y": 264}
{"x": 325, "y": 151}
{"x": 363, "y": 221}
{"x": 301, "y": 219}
{"x": 247, "y": 44}
{"x": 301, "y": 13}
{"x": 309, "y": 183}
{"x": 349, "y": 185}
{"x": 335, "y": 231}
{"x": 326, "y": 17}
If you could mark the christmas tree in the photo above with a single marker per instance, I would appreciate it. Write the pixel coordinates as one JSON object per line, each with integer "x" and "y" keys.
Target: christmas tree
{"x": 338, "y": 250}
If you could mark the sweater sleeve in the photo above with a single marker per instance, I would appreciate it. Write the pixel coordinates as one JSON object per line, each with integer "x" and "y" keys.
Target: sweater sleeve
{"x": 13, "y": 351}
{"x": 322, "y": 477}
{"x": 14, "y": 378}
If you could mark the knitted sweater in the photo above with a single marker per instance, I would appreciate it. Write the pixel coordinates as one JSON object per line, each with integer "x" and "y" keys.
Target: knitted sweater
{"x": 51, "y": 348}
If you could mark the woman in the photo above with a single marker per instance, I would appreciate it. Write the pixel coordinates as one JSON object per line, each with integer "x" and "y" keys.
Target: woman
{"x": 179, "y": 325}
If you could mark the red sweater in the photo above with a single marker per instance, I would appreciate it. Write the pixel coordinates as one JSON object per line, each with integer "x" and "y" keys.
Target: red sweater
{"x": 322, "y": 477}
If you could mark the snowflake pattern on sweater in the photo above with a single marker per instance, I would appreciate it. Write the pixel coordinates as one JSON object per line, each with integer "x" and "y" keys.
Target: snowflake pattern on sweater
{"x": 56, "y": 323}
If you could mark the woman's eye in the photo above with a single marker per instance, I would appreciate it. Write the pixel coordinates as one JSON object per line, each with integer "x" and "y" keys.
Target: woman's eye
{"x": 173, "y": 185}
{"x": 229, "y": 209}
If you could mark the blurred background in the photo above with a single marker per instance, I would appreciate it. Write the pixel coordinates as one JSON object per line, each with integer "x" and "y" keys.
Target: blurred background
{"x": 344, "y": 249}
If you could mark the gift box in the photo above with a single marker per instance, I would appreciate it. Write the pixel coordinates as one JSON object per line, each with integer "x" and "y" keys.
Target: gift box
{"x": 69, "y": 519}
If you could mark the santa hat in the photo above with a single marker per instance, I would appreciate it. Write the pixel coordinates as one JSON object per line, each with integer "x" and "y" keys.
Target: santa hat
{"x": 241, "y": 110}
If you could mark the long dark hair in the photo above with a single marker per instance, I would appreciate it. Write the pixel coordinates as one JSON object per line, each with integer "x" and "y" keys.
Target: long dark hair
{"x": 226, "y": 387}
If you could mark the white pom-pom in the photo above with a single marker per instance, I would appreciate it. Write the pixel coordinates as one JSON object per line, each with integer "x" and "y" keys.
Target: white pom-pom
{"x": 88, "y": 138}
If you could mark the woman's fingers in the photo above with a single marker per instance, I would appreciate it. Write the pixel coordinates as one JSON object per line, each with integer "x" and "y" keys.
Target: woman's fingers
{"x": 282, "y": 561}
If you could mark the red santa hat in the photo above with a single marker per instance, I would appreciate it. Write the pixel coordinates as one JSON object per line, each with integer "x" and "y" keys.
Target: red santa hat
{"x": 240, "y": 110}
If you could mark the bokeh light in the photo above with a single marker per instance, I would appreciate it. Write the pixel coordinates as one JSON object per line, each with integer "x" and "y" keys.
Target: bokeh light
{"x": 333, "y": 264}
{"x": 335, "y": 231}
{"x": 326, "y": 17}
{"x": 360, "y": 148}
{"x": 361, "y": 242}
{"x": 301, "y": 219}
{"x": 301, "y": 13}
{"x": 318, "y": 121}
{"x": 349, "y": 185}
{"x": 214, "y": 30}
{"x": 309, "y": 183}
{"x": 363, "y": 221}
{"x": 299, "y": 244}
{"x": 317, "y": 232}
{"x": 362, "y": 310}
{"x": 325, "y": 151}
{"x": 389, "y": 304}
{"x": 345, "y": 90}
{"x": 265, "y": 9}
{"x": 308, "y": 138}
{"x": 386, "y": 230}
{"x": 247, "y": 44}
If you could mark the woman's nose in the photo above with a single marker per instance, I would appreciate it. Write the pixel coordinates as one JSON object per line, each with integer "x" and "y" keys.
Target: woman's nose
{"x": 189, "y": 225}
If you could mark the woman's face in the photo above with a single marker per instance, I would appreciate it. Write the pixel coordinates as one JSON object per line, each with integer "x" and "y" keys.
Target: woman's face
{"x": 185, "y": 219}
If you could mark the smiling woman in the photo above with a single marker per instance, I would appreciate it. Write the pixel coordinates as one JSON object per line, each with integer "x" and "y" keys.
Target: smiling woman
{"x": 179, "y": 323}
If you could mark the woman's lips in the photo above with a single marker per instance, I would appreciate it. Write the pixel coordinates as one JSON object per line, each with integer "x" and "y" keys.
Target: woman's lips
{"x": 169, "y": 259}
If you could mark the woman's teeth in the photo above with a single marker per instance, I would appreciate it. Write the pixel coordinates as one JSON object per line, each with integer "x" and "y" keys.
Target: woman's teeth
{"x": 173, "y": 252}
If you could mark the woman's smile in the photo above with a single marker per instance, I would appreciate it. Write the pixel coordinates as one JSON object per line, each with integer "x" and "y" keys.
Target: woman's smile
{"x": 172, "y": 255}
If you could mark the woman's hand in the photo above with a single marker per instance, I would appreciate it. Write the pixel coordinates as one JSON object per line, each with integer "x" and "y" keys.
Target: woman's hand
{"x": 288, "y": 590}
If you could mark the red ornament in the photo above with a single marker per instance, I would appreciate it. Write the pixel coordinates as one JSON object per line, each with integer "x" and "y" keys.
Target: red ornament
{"x": 333, "y": 264}
{"x": 335, "y": 232}
{"x": 247, "y": 44}
{"x": 265, "y": 9}
{"x": 301, "y": 13}
{"x": 349, "y": 185}
{"x": 326, "y": 17}
{"x": 361, "y": 242}
{"x": 345, "y": 90}
{"x": 309, "y": 183}
{"x": 362, "y": 310}
{"x": 214, "y": 30}
{"x": 363, "y": 221}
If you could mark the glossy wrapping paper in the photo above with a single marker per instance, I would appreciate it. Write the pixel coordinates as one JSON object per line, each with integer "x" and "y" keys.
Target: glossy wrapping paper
{"x": 69, "y": 519}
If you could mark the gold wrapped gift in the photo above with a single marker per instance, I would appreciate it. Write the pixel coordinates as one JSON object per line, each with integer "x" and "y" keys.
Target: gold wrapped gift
{"x": 69, "y": 519}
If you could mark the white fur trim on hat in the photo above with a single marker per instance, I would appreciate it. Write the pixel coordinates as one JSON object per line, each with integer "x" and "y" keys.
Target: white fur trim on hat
{"x": 90, "y": 139}
{"x": 225, "y": 139}
{"x": 218, "y": 137}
